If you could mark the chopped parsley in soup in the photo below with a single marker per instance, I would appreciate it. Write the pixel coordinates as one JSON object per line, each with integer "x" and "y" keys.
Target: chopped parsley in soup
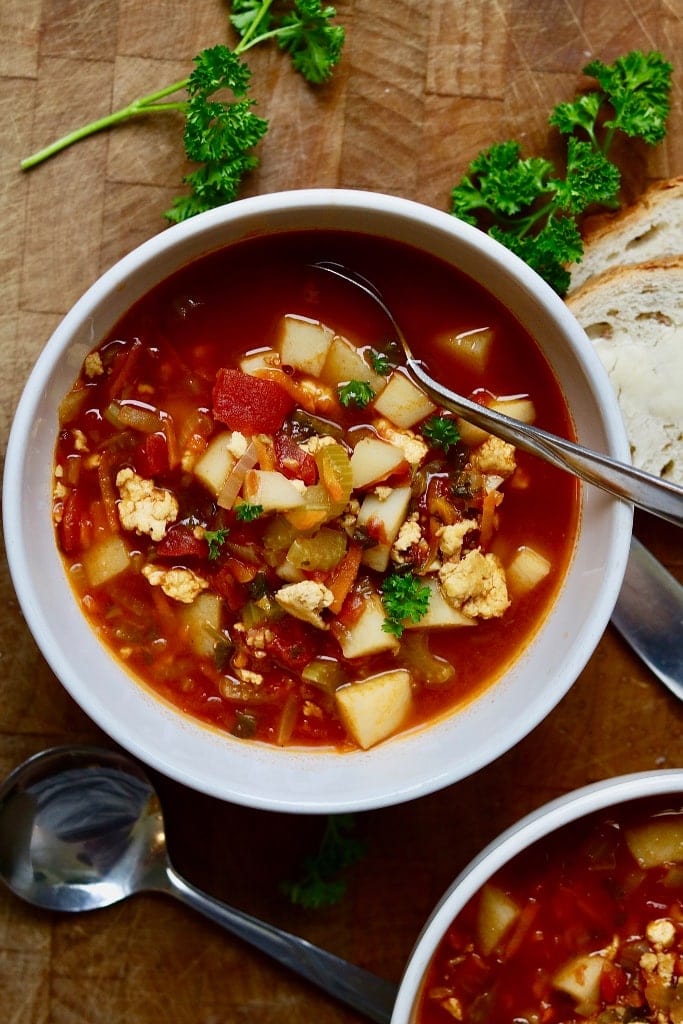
{"x": 274, "y": 529}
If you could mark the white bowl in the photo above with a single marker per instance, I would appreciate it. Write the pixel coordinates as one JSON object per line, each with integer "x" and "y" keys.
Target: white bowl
{"x": 540, "y": 823}
{"x": 411, "y": 764}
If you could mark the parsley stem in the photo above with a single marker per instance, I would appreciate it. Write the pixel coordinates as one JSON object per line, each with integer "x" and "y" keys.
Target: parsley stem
{"x": 143, "y": 105}
{"x": 246, "y": 42}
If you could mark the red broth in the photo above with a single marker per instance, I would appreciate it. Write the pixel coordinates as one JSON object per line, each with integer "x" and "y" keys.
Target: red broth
{"x": 595, "y": 931}
{"x": 166, "y": 383}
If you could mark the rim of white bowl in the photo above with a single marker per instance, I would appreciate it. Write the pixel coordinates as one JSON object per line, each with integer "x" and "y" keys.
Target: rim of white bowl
{"x": 536, "y": 825}
{"x": 294, "y": 780}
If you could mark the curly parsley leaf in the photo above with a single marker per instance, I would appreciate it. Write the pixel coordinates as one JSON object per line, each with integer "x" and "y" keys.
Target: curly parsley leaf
{"x": 404, "y": 597}
{"x": 320, "y": 884}
{"x": 357, "y": 392}
{"x": 215, "y": 539}
{"x": 304, "y": 31}
{"x": 534, "y": 210}
{"x": 220, "y": 134}
{"x": 441, "y": 432}
{"x": 247, "y": 512}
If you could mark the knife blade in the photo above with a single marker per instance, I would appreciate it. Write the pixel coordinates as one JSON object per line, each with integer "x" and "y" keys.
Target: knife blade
{"x": 649, "y": 615}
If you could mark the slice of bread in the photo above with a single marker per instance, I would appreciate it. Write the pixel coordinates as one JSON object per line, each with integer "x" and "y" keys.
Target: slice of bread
{"x": 647, "y": 230}
{"x": 634, "y": 317}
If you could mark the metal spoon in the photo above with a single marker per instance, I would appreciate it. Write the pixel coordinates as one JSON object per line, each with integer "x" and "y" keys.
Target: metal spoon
{"x": 82, "y": 828}
{"x": 649, "y": 492}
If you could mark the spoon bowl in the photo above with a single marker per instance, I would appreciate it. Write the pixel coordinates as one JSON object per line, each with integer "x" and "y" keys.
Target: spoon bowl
{"x": 82, "y": 828}
{"x": 644, "y": 490}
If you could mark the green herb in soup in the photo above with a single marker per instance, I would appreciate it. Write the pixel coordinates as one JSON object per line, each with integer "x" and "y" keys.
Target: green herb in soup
{"x": 273, "y": 528}
{"x": 586, "y": 925}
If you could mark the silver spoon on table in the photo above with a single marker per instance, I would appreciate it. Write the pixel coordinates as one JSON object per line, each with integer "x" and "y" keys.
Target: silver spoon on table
{"x": 646, "y": 491}
{"x": 82, "y": 828}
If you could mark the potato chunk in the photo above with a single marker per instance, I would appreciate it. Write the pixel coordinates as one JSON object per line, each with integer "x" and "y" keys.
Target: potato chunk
{"x": 388, "y": 515}
{"x": 657, "y": 843}
{"x": 580, "y": 979}
{"x": 374, "y": 460}
{"x": 345, "y": 362}
{"x": 526, "y": 570}
{"x": 105, "y": 559}
{"x": 271, "y": 490}
{"x": 366, "y": 636}
{"x": 374, "y": 708}
{"x": 440, "y": 612}
{"x": 403, "y": 402}
{"x": 202, "y": 619}
{"x": 213, "y": 466}
{"x": 304, "y": 344}
{"x": 497, "y": 911}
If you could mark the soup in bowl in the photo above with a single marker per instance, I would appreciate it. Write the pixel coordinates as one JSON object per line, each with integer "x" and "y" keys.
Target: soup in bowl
{"x": 575, "y": 913}
{"x": 259, "y": 556}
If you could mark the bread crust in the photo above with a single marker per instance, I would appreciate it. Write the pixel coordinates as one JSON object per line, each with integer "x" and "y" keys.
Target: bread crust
{"x": 633, "y": 315}
{"x": 648, "y": 229}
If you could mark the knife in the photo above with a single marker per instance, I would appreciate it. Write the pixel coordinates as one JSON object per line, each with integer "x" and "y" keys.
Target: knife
{"x": 649, "y": 615}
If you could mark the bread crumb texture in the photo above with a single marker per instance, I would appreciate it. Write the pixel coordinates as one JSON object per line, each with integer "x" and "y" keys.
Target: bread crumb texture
{"x": 633, "y": 315}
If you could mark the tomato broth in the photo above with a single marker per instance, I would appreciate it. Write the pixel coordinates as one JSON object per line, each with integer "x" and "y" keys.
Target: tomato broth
{"x": 586, "y": 924}
{"x": 218, "y": 515}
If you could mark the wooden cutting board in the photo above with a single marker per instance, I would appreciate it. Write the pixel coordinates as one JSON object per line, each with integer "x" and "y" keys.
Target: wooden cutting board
{"x": 422, "y": 87}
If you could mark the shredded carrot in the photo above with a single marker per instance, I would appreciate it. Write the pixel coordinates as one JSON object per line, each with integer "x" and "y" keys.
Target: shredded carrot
{"x": 301, "y": 396}
{"x": 343, "y": 576}
{"x": 109, "y": 496}
{"x": 265, "y": 452}
{"x": 124, "y": 369}
{"x": 168, "y": 427}
{"x": 488, "y": 517}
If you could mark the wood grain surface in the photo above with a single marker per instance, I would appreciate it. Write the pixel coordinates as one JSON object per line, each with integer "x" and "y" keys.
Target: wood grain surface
{"x": 423, "y": 85}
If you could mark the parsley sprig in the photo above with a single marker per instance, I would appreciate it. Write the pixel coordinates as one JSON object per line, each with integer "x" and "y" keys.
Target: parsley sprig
{"x": 404, "y": 597}
{"x": 321, "y": 884}
{"x": 215, "y": 539}
{"x": 441, "y": 432}
{"x": 246, "y": 511}
{"x": 534, "y": 211}
{"x": 221, "y": 133}
{"x": 356, "y": 392}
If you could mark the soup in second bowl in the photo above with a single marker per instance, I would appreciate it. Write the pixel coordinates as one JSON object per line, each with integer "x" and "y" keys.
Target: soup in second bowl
{"x": 272, "y": 528}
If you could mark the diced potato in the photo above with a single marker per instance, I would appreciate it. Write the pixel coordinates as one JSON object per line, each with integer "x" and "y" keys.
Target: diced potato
{"x": 580, "y": 979}
{"x": 373, "y": 460}
{"x": 391, "y": 513}
{"x": 202, "y": 619}
{"x": 345, "y": 362}
{"x": 526, "y": 570}
{"x": 265, "y": 359}
{"x": 213, "y": 466}
{"x": 496, "y": 913}
{"x": 656, "y": 843}
{"x": 373, "y": 709}
{"x": 366, "y": 636}
{"x": 304, "y": 344}
{"x": 469, "y": 434}
{"x": 440, "y": 613}
{"x": 522, "y": 409}
{"x": 270, "y": 489}
{"x": 105, "y": 559}
{"x": 472, "y": 348}
{"x": 403, "y": 402}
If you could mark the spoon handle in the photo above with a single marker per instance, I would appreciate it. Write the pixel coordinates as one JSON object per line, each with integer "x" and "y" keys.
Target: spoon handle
{"x": 646, "y": 491}
{"x": 370, "y": 995}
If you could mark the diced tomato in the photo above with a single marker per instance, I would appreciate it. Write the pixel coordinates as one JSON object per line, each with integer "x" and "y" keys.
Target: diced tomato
{"x": 180, "y": 542}
{"x": 70, "y": 528}
{"x": 293, "y": 461}
{"x": 225, "y": 584}
{"x": 612, "y": 982}
{"x": 152, "y": 455}
{"x": 292, "y": 643}
{"x": 249, "y": 404}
